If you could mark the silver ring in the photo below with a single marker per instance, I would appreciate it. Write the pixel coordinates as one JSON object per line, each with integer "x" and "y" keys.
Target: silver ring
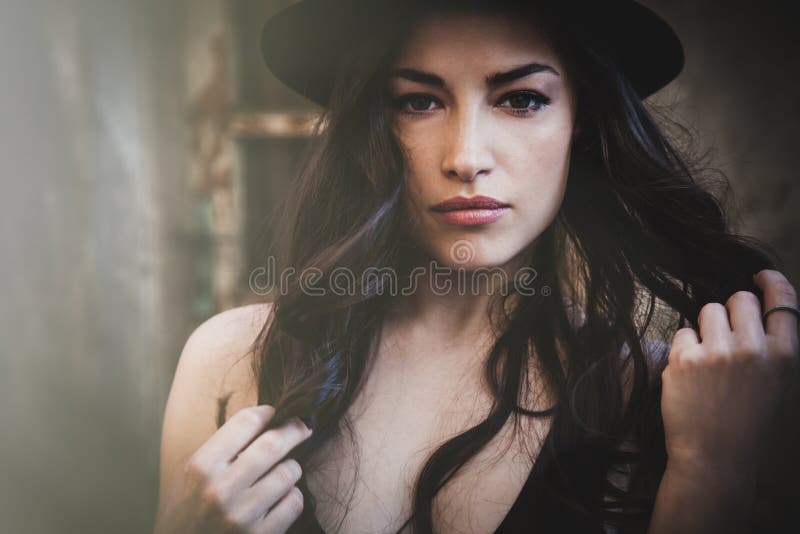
{"x": 792, "y": 309}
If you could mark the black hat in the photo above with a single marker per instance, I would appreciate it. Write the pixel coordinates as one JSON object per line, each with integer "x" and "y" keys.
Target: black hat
{"x": 301, "y": 44}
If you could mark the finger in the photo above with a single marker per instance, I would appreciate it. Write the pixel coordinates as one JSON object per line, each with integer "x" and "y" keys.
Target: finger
{"x": 744, "y": 313}
{"x": 684, "y": 342}
{"x": 263, "y": 453}
{"x": 778, "y": 291}
{"x": 264, "y": 494}
{"x": 715, "y": 328}
{"x": 684, "y": 338}
{"x": 234, "y": 435}
{"x": 282, "y": 515}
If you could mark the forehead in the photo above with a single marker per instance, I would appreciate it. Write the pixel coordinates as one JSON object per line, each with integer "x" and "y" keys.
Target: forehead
{"x": 453, "y": 37}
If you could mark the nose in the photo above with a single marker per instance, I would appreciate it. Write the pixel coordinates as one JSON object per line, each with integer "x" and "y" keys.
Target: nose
{"x": 467, "y": 153}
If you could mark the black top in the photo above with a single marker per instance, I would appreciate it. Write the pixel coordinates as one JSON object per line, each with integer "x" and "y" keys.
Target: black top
{"x": 545, "y": 505}
{"x": 536, "y": 509}
{"x": 539, "y": 509}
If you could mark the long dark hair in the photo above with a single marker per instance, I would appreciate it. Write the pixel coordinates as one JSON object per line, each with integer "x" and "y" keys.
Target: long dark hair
{"x": 642, "y": 241}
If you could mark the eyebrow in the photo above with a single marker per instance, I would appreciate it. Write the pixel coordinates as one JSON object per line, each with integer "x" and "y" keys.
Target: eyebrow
{"x": 493, "y": 80}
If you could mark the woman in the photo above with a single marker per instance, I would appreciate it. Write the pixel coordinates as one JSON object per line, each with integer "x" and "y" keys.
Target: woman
{"x": 465, "y": 144}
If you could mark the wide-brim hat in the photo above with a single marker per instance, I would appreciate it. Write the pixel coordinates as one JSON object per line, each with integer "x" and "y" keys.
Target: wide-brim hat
{"x": 303, "y": 43}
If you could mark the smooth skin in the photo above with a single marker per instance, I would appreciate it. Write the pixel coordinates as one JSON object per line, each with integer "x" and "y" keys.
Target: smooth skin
{"x": 509, "y": 139}
{"x": 461, "y": 137}
{"x": 235, "y": 479}
{"x": 720, "y": 389}
{"x": 231, "y": 486}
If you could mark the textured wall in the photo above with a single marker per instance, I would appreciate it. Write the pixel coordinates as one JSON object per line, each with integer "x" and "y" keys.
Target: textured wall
{"x": 96, "y": 268}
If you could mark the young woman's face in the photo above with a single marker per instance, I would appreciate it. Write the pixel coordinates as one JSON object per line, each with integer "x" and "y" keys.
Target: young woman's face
{"x": 482, "y": 107}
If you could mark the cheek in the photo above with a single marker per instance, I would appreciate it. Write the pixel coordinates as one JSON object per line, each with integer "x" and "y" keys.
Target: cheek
{"x": 540, "y": 164}
{"x": 539, "y": 172}
{"x": 421, "y": 149}
{"x": 421, "y": 171}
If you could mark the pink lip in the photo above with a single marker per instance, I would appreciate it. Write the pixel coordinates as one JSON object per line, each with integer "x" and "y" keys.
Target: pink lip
{"x": 473, "y": 211}
{"x": 471, "y": 217}
{"x": 464, "y": 203}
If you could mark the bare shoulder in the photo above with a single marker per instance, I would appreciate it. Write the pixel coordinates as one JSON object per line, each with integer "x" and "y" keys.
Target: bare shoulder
{"x": 216, "y": 361}
{"x": 213, "y": 380}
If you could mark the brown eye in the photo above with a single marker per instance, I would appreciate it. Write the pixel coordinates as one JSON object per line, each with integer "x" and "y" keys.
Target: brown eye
{"x": 520, "y": 101}
{"x": 526, "y": 102}
{"x": 420, "y": 103}
{"x": 414, "y": 103}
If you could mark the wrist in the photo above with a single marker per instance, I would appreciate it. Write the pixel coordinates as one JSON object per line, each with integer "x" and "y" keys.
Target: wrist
{"x": 703, "y": 496}
{"x": 726, "y": 477}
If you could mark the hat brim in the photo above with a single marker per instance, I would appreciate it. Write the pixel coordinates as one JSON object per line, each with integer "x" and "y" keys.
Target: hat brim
{"x": 302, "y": 45}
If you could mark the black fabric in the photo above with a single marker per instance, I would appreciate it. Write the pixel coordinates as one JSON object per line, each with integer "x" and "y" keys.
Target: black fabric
{"x": 303, "y": 43}
{"x": 538, "y": 507}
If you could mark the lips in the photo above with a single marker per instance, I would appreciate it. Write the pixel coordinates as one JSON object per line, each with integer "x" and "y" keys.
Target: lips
{"x": 474, "y": 211}
{"x": 473, "y": 203}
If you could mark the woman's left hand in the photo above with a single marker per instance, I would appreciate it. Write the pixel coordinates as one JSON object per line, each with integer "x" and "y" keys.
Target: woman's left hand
{"x": 720, "y": 391}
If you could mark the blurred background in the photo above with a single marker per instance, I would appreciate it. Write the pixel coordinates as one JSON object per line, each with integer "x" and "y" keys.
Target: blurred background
{"x": 144, "y": 144}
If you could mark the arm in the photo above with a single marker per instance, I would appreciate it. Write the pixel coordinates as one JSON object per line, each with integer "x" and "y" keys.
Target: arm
{"x": 721, "y": 390}
{"x": 703, "y": 498}
{"x": 211, "y": 366}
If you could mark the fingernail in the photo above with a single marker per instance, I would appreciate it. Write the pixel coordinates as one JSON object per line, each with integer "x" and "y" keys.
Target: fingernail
{"x": 298, "y": 471}
{"x": 306, "y": 423}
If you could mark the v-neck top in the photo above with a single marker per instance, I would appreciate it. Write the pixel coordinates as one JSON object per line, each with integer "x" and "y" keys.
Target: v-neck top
{"x": 538, "y": 508}
{"x": 534, "y": 510}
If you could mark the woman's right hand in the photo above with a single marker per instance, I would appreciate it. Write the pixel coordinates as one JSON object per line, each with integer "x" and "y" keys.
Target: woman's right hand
{"x": 238, "y": 481}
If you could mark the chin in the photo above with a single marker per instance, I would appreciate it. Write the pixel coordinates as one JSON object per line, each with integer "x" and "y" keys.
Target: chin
{"x": 470, "y": 255}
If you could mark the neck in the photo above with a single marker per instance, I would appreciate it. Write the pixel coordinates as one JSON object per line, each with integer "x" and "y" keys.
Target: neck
{"x": 450, "y": 308}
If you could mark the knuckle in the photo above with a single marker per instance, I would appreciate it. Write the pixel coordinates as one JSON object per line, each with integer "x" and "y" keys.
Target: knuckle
{"x": 666, "y": 374}
{"x": 716, "y": 354}
{"x": 251, "y": 417}
{"x": 770, "y": 275}
{"x": 213, "y": 497}
{"x": 298, "y": 425}
{"x": 678, "y": 354}
{"x": 271, "y": 443}
{"x": 196, "y": 469}
{"x": 675, "y": 354}
{"x": 266, "y": 410}
{"x": 285, "y": 474}
{"x": 742, "y": 297}
{"x": 749, "y": 347}
{"x": 717, "y": 351}
{"x": 681, "y": 338}
{"x": 710, "y": 308}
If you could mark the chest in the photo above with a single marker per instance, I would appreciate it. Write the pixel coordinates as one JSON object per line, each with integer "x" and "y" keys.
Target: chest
{"x": 366, "y": 479}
